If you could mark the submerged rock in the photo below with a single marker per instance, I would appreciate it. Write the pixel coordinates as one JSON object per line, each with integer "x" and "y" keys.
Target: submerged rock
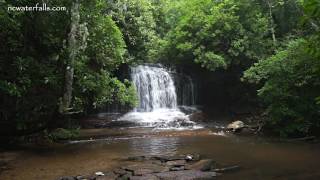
{"x": 202, "y": 165}
{"x": 137, "y": 158}
{"x": 179, "y": 167}
{"x": 67, "y": 178}
{"x": 225, "y": 169}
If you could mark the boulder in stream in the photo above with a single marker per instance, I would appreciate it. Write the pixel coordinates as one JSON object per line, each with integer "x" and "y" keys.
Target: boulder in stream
{"x": 235, "y": 126}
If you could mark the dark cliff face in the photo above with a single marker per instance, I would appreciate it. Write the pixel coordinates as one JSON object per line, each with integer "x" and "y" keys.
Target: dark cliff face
{"x": 221, "y": 90}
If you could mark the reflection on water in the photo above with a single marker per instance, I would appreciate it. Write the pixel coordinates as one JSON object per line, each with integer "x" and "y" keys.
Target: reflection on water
{"x": 259, "y": 158}
{"x": 155, "y": 146}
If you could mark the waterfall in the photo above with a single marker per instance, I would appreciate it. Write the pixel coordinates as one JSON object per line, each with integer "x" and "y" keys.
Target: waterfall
{"x": 188, "y": 92}
{"x": 157, "y": 100}
{"x": 155, "y": 88}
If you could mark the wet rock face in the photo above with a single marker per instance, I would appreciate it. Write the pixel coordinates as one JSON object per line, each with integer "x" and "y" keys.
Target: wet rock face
{"x": 198, "y": 117}
{"x": 179, "y": 167}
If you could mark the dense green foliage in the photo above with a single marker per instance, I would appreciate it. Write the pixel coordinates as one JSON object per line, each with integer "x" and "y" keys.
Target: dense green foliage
{"x": 33, "y": 60}
{"x": 216, "y": 34}
{"x": 136, "y": 19}
{"x": 291, "y": 84}
{"x": 291, "y": 79}
{"x": 274, "y": 44}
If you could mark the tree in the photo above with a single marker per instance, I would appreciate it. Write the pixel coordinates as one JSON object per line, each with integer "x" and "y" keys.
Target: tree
{"x": 216, "y": 34}
{"x": 136, "y": 20}
{"x": 77, "y": 36}
{"x": 30, "y": 66}
{"x": 290, "y": 82}
{"x": 46, "y": 56}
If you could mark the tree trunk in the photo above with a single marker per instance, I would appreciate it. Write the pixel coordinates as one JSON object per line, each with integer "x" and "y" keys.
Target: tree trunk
{"x": 73, "y": 51}
{"x": 272, "y": 30}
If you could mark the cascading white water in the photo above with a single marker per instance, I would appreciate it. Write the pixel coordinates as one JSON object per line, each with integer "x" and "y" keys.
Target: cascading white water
{"x": 157, "y": 100}
{"x": 155, "y": 88}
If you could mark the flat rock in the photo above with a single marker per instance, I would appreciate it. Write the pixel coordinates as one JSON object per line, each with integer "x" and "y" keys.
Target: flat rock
{"x": 181, "y": 168}
{"x": 121, "y": 172}
{"x": 124, "y": 177}
{"x": 146, "y": 168}
{"x": 85, "y": 177}
{"x": 145, "y": 177}
{"x": 202, "y": 165}
{"x": 176, "y": 163}
{"x": 107, "y": 176}
{"x": 186, "y": 175}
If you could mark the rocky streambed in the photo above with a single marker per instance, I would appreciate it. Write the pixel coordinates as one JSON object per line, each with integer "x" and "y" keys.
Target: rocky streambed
{"x": 178, "y": 167}
{"x": 141, "y": 153}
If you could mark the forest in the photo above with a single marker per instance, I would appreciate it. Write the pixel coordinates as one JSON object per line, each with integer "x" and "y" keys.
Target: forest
{"x": 60, "y": 67}
{"x": 53, "y": 64}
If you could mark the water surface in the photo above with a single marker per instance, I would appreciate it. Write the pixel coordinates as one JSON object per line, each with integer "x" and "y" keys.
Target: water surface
{"x": 259, "y": 158}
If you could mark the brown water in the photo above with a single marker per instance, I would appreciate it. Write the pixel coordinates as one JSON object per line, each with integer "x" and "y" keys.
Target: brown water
{"x": 259, "y": 158}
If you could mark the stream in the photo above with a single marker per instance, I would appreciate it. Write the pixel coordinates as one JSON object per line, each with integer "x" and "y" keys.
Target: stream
{"x": 258, "y": 158}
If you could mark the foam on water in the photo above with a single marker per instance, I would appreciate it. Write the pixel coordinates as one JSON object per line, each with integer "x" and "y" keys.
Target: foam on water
{"x": 162, "y": 119}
